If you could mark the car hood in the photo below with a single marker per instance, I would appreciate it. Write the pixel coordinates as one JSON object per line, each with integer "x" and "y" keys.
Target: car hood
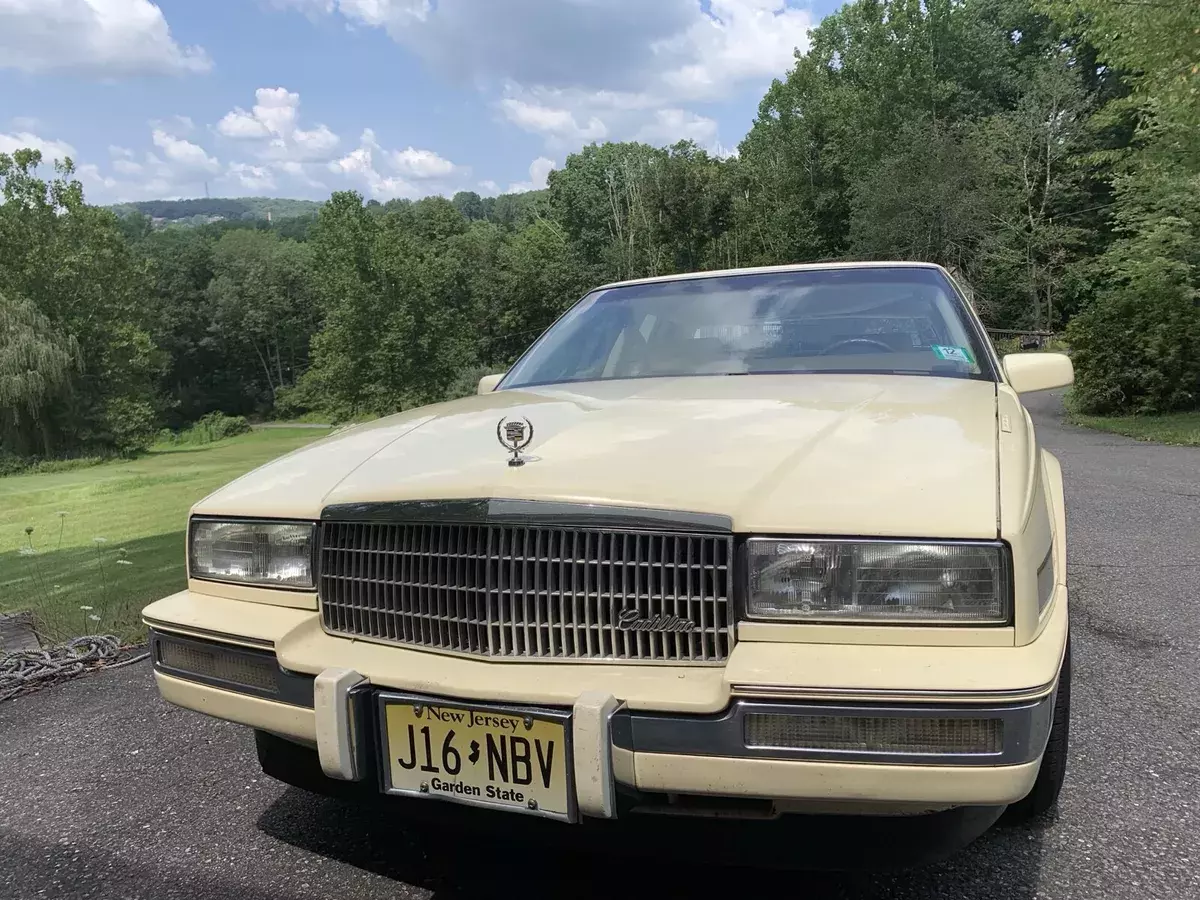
{"x": 816, "y": 454}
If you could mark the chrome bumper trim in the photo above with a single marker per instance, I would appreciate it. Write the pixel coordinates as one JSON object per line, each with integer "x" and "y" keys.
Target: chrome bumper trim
{"x": 855, "y": 695}
{"x": 206, "y": 634}
{"x": 591, "y": 721}
{"x": 534, "y": 513}
{"x": 1025, "y": 730}
{"x": 341, "y": 736}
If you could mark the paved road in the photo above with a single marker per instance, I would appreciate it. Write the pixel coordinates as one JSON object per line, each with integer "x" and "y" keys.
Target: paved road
{"x": 106, "y": 792}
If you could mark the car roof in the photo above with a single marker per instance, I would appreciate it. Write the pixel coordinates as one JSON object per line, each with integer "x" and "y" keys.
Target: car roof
{"x": 757, "y": 270}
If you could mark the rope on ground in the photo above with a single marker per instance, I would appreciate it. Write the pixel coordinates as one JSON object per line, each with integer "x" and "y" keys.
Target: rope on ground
{"x": 27, "y": 670}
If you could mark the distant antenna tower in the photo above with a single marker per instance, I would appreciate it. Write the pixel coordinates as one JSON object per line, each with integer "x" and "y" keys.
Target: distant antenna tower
{"x": 206, "y": 190}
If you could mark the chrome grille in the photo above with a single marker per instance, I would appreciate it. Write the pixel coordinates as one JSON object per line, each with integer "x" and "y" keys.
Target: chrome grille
{"x": 512, "y": 591}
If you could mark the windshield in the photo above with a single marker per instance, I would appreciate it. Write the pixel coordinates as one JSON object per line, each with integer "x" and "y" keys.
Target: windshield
{"x": 904, "y": 321}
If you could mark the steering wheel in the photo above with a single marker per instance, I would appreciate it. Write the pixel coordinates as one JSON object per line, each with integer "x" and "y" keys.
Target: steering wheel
{"x": 861, "y": 342}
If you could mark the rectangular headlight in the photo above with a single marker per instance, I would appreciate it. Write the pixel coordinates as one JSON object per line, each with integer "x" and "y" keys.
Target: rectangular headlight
{"x": 272, "y": 554}
{"x": 878, "y": 582}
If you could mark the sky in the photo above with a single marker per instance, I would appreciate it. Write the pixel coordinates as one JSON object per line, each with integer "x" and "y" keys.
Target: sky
{"x": 392, "y": 98}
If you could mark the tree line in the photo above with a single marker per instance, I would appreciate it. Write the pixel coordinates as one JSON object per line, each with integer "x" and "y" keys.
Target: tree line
{"x": 1043, "y": 150}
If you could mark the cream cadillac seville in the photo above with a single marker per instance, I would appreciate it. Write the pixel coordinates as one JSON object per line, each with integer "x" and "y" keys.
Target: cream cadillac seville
{"x": 767, "y": 540}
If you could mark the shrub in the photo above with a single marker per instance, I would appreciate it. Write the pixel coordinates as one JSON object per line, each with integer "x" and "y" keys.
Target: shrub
{"x": 291, "y": 402}
{"x": 216, "y": 426}
{"x": 11, "y": 464}
{"x": 1137, "y": 352}
{"x": 131, "y": 425}
{"x": 221, "y": 426}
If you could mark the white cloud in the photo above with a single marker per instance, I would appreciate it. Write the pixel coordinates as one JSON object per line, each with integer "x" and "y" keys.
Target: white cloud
{"x": 555, "y": 123}
{"x": 250, "y": 178}
{"x": 539, "y": 172}
{"x": 127, "y": 167}
{"x": 90, "y": 175}
{"x": 578, "y": 71}
{"x": 531, "y": 41}
{"x": 176, "y": 167}
{"x": 274, "y": 113}
{"x": 184, "y": 153}
{"x": 671, "y": 125}
{"x": 51, "y": 150}
{"x": 738, "y": 41}
{"x": 272, "y": 124}
{"x": 489, "y": 188}
{"x": 314, "y": 9}
{"x": 153, "y": 178}
{"x": 422, "y": 163}
{"x": 240, "y": 124}
{"x": 304, "y": 173}
{"x": 316, "y": 143}
{"x": 359, "y": 166}
{"x": 108, "y": 38}
{"x": 271, "y": 130}
{"x": 390, "y": 13}
{"x": 420, "y": 172}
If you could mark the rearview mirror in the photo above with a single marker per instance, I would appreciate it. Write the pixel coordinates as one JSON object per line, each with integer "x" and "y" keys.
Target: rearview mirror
{"x": 488, "y": 383}
{"x": 1028, "y": 372}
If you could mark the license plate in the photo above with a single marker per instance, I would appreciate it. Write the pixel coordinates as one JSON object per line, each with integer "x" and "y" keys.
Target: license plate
{"x": 503, "y": 757}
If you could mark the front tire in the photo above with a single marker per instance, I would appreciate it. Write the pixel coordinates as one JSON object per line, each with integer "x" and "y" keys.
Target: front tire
{"x": 1053, "y": 771}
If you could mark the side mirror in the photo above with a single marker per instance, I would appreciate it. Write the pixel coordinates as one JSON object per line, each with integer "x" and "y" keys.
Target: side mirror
{"x": 1027, "y": 372}
{"x": 488, "y": 383}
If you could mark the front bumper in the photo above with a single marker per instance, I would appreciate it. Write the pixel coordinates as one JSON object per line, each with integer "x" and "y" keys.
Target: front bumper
{"x": 695, "y": 754}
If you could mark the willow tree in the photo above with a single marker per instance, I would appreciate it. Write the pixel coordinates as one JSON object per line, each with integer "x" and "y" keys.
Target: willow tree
{"x": 73, "y": 265}
{"x": 36, "y": 365}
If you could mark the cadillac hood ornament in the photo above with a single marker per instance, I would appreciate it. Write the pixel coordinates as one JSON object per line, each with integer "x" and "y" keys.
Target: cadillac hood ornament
{"x": 515, "y": 433}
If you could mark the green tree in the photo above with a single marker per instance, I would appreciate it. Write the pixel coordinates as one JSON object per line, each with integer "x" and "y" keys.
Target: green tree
{"x": 1137, "y": 344}
{"x": 470, "y": 205}
{"x": 539, "y": 276}
{"x": 73, "y": 263}
{"x": 36, "y": 365}
{"x": 262, "y": 306}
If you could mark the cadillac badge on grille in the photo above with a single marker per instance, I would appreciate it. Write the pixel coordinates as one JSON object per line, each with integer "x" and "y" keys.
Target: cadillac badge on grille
{"x": 515, "y": 434}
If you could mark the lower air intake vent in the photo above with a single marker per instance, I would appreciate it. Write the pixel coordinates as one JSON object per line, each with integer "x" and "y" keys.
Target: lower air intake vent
{"x": 874, "y": 734}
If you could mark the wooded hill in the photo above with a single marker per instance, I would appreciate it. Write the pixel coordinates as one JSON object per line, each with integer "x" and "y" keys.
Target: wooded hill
{"x": 200, "y": 211}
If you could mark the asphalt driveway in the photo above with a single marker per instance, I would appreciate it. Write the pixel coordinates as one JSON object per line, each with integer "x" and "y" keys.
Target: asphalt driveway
{"x": 106, "y": 792}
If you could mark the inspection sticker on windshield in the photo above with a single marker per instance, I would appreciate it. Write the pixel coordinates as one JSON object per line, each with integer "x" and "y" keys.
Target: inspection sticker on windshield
{"x": 953, "y": 354}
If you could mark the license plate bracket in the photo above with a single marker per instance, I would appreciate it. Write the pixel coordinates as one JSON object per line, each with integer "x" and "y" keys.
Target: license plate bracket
{"x": 511, "y": 758}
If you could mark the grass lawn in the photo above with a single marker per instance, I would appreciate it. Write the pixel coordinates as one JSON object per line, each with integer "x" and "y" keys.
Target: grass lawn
{"x": 1175, "y": 428}
{"x": 111, "y": 537}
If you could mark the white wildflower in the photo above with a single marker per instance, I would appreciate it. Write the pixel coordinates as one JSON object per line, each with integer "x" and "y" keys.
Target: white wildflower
{"x": 87, "y": 608}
